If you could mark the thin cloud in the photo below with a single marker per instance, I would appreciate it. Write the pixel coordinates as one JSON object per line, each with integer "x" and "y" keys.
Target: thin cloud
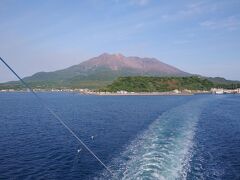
{"x": 189, "y": 11}
{"x": 229, "y": 23}
{"x": 140, "y": 2}
{"x": 181, "y": 42}
{"x": 134, "y": 2}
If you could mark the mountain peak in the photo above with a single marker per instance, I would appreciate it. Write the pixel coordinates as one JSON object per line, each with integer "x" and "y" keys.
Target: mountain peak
{"x": 107, "y": 55}
{"x": 133, "y": 64}
{"x": 118, "y": 55}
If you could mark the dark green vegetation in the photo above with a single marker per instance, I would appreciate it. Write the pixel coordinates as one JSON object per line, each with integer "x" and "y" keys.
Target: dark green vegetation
{"x": 160, "y": 84}
{"x": 113, "y": 83}
{"x": 220, "y": 82}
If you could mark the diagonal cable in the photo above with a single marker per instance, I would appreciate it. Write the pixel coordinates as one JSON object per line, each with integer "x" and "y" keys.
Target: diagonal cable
{"x": 57, "y": 117}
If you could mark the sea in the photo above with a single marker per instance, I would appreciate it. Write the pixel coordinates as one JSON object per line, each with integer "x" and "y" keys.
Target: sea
{"x": 137, "y": 137}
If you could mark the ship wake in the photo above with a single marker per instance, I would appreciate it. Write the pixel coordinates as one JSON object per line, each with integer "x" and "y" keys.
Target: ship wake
{"x": 164, "y": 150}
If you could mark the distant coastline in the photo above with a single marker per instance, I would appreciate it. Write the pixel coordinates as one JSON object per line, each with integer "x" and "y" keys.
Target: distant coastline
{"x": 99, "y": 93}
{"x": 146, "y": 86}
{"x": 125, "y": 93}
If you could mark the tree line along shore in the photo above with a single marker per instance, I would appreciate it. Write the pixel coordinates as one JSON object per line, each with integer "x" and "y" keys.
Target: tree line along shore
{"x": 141, "y": 85}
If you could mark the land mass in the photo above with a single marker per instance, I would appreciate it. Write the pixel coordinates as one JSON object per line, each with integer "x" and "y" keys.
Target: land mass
{"x": 161, "y": 84}
{"x": 98, "y": 72}
{"x": 148, "y": 74}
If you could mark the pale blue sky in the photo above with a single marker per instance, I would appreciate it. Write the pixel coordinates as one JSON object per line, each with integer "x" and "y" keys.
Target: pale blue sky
{"x": 198, "y": 36}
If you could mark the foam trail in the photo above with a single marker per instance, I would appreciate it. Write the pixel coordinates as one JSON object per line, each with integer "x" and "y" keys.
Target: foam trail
{"x": 163, "y": 151}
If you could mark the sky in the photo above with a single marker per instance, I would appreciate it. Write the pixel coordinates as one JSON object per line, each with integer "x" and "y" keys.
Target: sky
{"x": 197, "y": 36}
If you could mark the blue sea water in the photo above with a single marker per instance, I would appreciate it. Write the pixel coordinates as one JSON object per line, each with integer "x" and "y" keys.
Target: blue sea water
{"x": 138, "y": 137}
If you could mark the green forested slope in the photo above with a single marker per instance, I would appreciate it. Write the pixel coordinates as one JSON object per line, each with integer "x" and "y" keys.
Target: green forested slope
{"x": 158, "y": 84}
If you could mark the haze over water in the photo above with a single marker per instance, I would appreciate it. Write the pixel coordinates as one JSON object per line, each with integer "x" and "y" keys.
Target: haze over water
{"x": 138, "y": 137}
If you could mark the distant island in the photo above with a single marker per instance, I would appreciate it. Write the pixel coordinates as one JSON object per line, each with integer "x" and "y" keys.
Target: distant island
{"x": 115, "y": 72}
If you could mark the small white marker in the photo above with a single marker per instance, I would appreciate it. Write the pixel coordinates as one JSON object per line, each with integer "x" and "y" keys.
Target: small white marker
{"x": 79, "y": 150}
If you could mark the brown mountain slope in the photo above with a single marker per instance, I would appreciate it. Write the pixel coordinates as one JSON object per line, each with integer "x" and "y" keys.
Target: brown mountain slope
{"x": 118, "y": 62}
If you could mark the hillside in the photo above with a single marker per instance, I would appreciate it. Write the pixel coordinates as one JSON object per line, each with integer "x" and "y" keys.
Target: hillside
{"x": 158, "y": 84}
{"x": 220, "y": 80}
{"x": 100, "y": 71}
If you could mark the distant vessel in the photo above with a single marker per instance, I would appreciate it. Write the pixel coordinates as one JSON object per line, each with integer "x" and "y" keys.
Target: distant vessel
{"x": 217, "y": 91}
{"x": 220, "y": 91}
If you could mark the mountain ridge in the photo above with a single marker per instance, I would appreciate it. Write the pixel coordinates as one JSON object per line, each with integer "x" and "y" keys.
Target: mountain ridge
{"x": 102, "y": 70}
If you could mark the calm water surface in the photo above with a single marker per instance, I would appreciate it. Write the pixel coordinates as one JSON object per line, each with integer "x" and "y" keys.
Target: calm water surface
{"x": 138, "y": 137}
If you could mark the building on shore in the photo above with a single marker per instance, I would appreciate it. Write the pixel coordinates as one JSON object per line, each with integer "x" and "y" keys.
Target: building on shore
{"x": 225, "y": 91}
{"x": 122, "y": 92}
{"x": 238, "y": 90}
{"x": 176, "y": 91}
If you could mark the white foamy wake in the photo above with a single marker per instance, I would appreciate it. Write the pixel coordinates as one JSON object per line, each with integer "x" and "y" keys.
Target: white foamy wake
{"x": 163, "y": 151}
